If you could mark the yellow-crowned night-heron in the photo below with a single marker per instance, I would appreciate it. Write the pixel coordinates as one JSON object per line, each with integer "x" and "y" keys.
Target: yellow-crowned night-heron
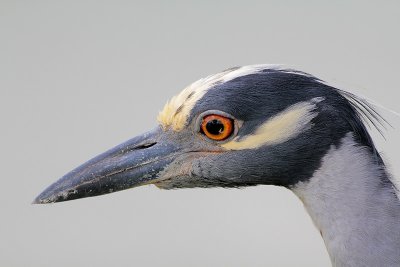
{"x": 264, "y": 125}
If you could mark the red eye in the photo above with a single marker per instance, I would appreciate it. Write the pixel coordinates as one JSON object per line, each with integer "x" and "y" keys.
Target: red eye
{"x": 217, "y": 127}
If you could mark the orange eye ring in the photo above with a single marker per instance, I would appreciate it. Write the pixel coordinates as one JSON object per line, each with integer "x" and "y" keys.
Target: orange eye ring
{"x": 217, "y": 127}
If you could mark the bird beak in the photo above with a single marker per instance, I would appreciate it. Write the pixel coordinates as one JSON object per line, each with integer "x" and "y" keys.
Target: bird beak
{"x": 136, "y": 162}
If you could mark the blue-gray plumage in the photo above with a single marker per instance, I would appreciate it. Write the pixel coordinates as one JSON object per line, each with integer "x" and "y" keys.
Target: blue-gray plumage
{"x": 264, "y": 124}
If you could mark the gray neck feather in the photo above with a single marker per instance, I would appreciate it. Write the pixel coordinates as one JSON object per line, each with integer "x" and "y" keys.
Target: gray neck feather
{"x": 356, "y": 211}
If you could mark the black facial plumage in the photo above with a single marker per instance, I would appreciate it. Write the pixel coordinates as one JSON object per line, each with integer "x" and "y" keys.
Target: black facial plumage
{"x": 256, "y": 97}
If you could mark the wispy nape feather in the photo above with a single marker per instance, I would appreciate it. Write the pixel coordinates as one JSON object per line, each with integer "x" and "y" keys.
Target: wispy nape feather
{"x": 366, "y": 112}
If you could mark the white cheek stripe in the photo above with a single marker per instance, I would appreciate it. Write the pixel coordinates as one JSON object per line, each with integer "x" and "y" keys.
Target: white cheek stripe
{"x": 280, "y": 128}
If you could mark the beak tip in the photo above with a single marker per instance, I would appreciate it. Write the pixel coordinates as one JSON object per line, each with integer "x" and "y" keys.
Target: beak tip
{"x": 49, "y": 196}
{"x": 55, "y": 193}
{"x": 41, "y": 200}
{"x": 37, "y": 201}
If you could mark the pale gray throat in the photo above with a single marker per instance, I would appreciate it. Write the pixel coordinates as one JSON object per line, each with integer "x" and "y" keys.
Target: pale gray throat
{"x": 357, "y": 213}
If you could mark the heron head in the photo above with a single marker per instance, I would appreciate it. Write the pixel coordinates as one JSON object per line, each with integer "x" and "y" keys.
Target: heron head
{"x": 244, "y": 126}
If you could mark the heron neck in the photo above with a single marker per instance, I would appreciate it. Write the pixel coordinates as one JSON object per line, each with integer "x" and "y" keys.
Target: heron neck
{"x": 355, "y": 207}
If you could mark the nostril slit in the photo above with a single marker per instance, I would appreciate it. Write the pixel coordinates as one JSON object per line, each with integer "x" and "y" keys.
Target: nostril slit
{"x": 147, "y": 145}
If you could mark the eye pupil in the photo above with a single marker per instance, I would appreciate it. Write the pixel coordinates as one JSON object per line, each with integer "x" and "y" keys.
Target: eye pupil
{"x": 215, "y": 127}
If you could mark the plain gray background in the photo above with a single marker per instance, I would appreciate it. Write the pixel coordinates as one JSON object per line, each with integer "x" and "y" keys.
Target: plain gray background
{"x": 78, "y": 77}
